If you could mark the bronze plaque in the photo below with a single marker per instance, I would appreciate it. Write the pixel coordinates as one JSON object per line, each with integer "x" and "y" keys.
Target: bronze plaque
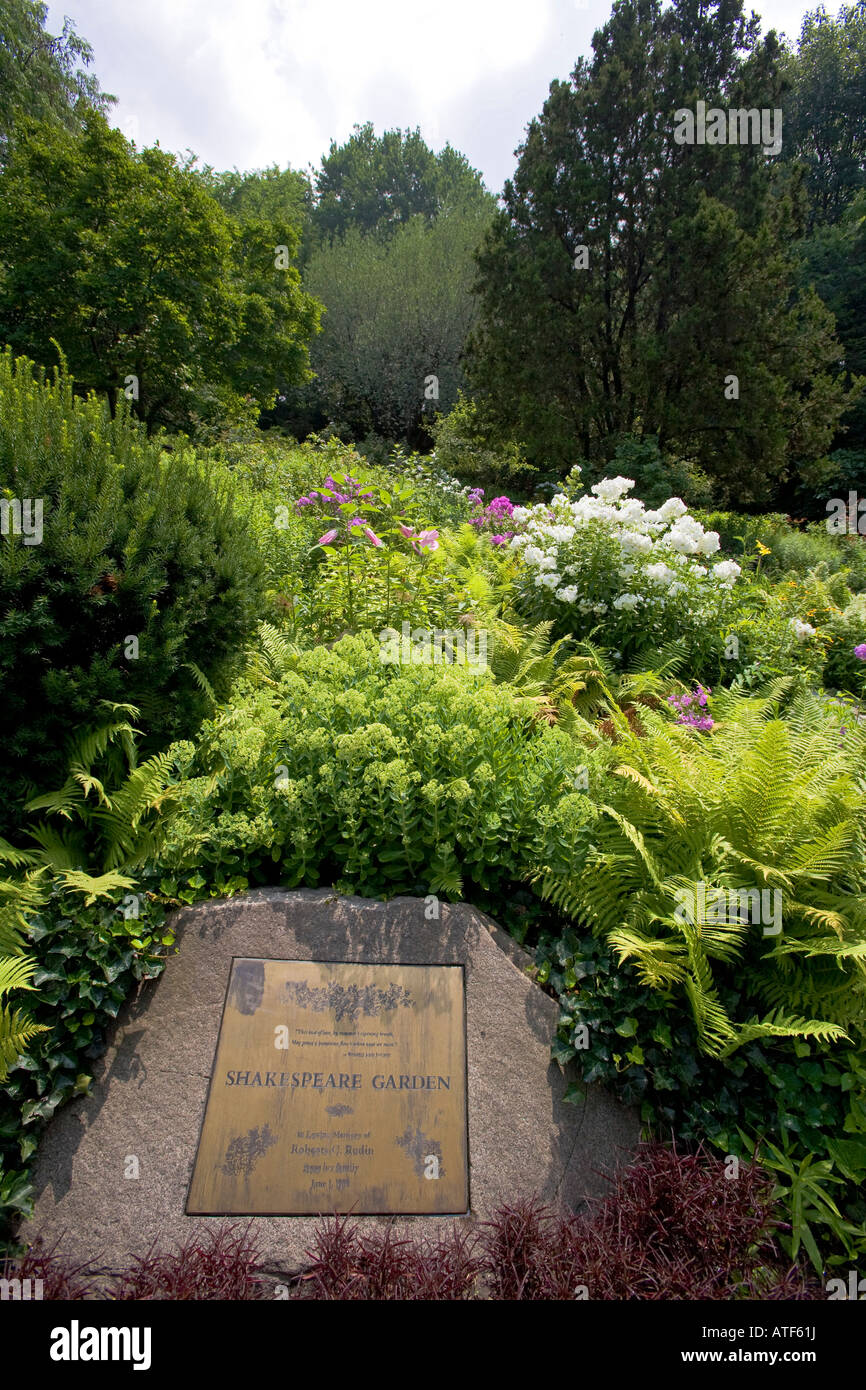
{"x": 336, "y": 1088}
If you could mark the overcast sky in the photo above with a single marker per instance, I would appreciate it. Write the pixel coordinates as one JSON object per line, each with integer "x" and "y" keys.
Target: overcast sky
{"x": 249, "y": 83}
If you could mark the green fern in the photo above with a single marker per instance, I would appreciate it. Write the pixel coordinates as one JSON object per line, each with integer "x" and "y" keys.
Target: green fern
{"x": 17, "y": 1029}
{"x": 114, "y": 819}
{"x": 272, "y": 659}
{"x": 768, "y": 801}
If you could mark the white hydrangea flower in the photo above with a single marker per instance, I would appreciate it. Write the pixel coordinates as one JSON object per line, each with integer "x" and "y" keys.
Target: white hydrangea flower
{"x": 532, "y": 555}
{"x": 635, "y": 543}
{"x": 670, "y": 510}
{"x": 550, "y": 581}
{"x": 547, "y": 562}
{"x": 727, "y": 571}
{"x": 631, "y": 510}
{"x": 660, "y": 573}
{"x": 628, "y": 601}
{"x": 568, "y": 594}
{"x": 709, "y": 543}
{"x": 802, "y": 630}
{"x": 611, "y": 489}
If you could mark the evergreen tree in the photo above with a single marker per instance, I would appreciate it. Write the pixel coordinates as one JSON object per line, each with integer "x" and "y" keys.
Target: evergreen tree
{"x": 630, "y": 278}
{"x": 825, "y": 113}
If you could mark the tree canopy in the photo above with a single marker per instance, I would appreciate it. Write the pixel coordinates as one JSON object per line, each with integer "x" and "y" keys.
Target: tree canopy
{"x": 148, "y": 286}
{"x": 633, "y": 284}
{"x": 41, "y": 74}
{"x": 377, "y": 183}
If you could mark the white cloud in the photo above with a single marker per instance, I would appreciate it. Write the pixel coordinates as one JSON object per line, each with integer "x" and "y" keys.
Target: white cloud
{"x": 256, "y": 82}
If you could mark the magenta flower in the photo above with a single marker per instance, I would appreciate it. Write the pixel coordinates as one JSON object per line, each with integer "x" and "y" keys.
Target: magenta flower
{"x": 691, "y": 719}
{"x": 327, "y": 538}
{"x": 371, "y": 536}
{"x": 860, "y": 651}
{"x": 408, "y": 531}
{"x": 428, "y": 540}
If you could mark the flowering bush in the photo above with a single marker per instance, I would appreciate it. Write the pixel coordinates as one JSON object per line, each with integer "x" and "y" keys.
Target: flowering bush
{"x": 369, "y": 576}
{"x": 691, "y": 717}
{"x": 644, "y": 571}
{"x": 493, "y": 518}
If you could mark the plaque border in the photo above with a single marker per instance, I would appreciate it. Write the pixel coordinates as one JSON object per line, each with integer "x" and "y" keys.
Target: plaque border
{"x": 318, "y": 1216}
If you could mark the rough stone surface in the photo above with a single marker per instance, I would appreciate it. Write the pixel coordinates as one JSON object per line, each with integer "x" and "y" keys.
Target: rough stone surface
{"x": 150, "y": 1088}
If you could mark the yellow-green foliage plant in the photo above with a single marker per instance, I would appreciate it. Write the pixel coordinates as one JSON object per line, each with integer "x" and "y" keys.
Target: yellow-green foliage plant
{"x": 770, "y": 800}
{"x": 17, "y": 1029}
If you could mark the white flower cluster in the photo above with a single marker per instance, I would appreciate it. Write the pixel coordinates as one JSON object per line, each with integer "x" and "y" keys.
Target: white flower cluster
{"x": 652, "y": 555}
{"x": 802, "y": 630}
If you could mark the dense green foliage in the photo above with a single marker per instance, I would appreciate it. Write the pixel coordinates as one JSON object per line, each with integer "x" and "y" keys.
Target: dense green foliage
{"x": 40, "y": 74}
{"x": 641, "y": 746}
{"x": 398, "y": 313}
{"x": 686, "y": 245}
{"x": 378, "y": 183}
{"x": 144, "y": 568}
{"x": 825, "y": 113}
{"x": 330, "y": 766}
{"x": 149, "y": 287}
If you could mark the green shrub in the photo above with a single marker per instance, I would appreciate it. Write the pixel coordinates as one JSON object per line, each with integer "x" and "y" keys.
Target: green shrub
{"x": 137, "y": 546}
{"x": 656, "y": 476}
{"x": 790, "y": 548}
{"x": 462, "y": 448}
{"x": 381, "y": 778}
{"x": 87, "y": 961}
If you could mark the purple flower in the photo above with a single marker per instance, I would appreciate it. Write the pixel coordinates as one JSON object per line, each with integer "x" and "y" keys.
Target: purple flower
{"x": 327, "y": 538}
{"x": 860, "y": 652}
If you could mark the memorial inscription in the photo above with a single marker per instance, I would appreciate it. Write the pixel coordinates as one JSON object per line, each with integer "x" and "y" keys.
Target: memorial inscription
{"x": 336, "y": 1087}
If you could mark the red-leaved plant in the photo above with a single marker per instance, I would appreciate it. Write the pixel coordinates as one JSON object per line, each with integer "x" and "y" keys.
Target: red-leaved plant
{"x": 674, "y": 1226}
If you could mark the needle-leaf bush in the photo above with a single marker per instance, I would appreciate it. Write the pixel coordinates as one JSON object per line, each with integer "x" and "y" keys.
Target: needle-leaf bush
{"x": 140, "y": 569}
